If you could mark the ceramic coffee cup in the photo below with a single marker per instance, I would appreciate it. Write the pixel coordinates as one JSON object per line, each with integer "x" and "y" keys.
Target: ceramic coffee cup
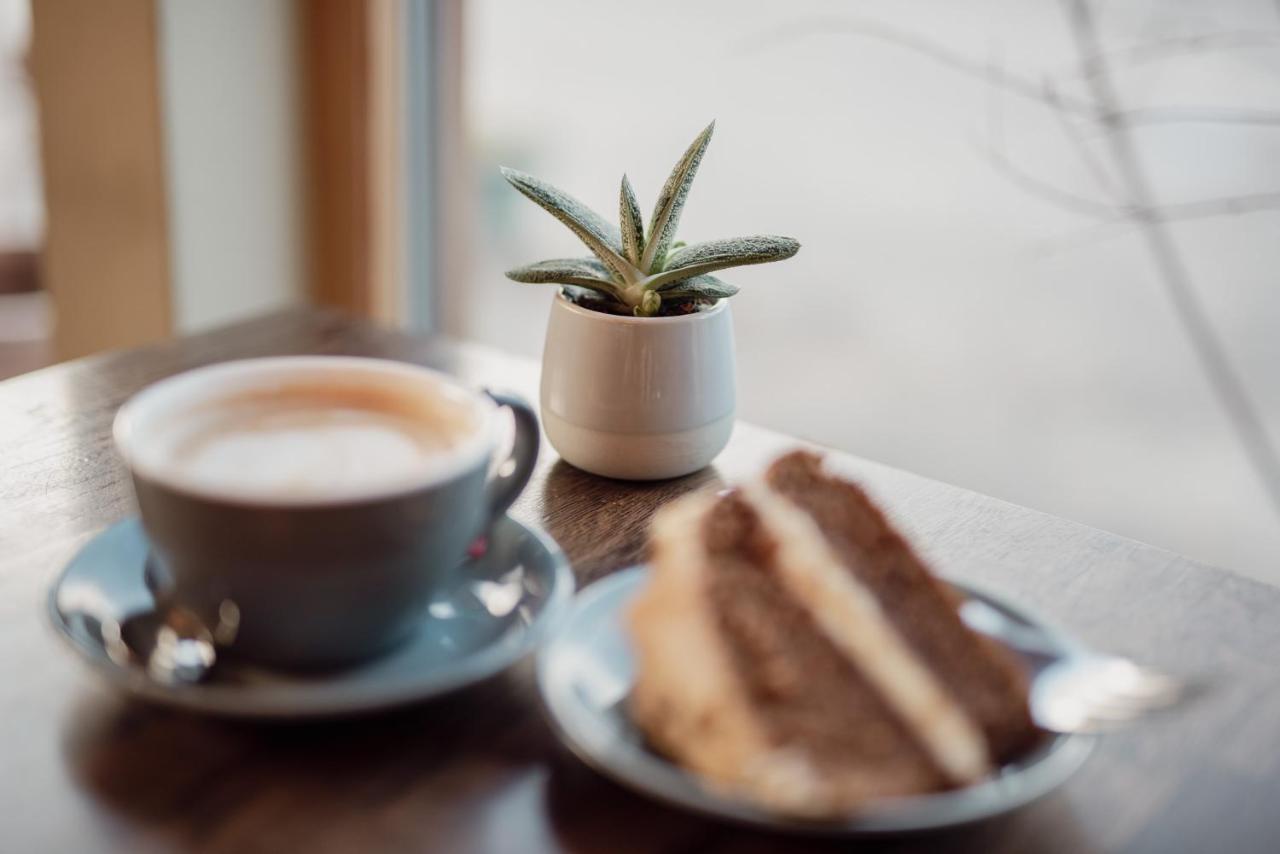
{"x": 339, "y": 572}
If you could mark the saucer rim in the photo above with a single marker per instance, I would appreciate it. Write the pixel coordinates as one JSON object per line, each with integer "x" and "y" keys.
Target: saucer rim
{"x": 322, "y": 701}
{"x": 643, "y": 771}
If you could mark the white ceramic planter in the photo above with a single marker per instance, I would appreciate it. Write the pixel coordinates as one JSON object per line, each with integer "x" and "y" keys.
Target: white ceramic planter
{"x": 638, "y": 398}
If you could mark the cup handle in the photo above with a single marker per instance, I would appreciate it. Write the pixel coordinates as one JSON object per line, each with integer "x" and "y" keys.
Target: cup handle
{"x": 513, "y": 473}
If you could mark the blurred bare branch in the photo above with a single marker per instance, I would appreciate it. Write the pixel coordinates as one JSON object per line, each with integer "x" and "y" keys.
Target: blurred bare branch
{"x": 996, "y": 153}
{"x": 1167, "y": 258}
{"x": 1225, "y": 206}
{"x": 1055, "y": 195}
{"x": 1121, "y": 225}
{"x": 1023, "y": 87}
{"x": 1118, "y": 210}
{"x": 1013, "y": 83}
{"x": 1175, "y": 47}
{"x": 1120, "y": 174}
{"x": 1092, "y": 163}
{"x": 1197, "y": 115}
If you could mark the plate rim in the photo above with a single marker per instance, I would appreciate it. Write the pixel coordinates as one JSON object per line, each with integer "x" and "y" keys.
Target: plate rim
{"x": 300, "y": 704}
{"x": 928, "y": 812}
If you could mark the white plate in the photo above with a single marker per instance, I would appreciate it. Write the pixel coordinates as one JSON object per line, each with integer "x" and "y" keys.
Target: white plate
{"x": 585, "y": 675}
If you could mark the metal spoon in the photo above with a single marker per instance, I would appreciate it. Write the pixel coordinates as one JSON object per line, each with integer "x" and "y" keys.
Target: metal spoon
{"x": 172, "y": 644}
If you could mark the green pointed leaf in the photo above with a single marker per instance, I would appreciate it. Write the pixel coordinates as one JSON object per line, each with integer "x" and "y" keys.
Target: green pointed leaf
{"x": 555, "y": 269}
{"x": 699, "y": 287}
{"x": 666, "y": 214}
{"x": 583, "y": 272}
{"x": 700, "y": 258}
{"x": 601, "y": 238}
{"x": 632, "y": 223}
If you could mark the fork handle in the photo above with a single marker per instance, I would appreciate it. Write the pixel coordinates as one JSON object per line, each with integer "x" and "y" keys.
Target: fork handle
{"x": 993, "y": 623}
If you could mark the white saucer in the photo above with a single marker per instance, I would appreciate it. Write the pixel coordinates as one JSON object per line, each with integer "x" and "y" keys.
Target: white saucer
{"x": 505, "y": 602}
{"x": 585, "y": 675}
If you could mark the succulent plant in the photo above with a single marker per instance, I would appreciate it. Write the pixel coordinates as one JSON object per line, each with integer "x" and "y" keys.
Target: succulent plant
{"x": 639, "y": 269}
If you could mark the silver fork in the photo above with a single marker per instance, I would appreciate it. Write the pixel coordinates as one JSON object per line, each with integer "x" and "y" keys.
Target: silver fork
{"x": 1077, "y": 690}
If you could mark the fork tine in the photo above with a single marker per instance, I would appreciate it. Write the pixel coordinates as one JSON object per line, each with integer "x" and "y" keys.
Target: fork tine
{"x": 1144, "y": 682}
{"x": 1113, "y": 710}
{"x": 1123, "y": 680}
{"x": 1136, "y": 696}
{"x": 1121, "y": 672}
{"x": 1100, "y": 694}
{"x": 1121, "y": 709}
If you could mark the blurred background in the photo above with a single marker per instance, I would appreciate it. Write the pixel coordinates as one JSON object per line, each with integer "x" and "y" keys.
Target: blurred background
{"x": 1039, "y": 237}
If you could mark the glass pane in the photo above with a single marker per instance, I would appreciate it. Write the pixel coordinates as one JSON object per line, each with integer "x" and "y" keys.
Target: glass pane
{"x": 975, "y": 300}
{"x": 25, "y": 321}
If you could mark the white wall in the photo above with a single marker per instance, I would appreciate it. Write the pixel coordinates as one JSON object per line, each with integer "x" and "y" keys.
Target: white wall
{"x": 232, "y": 107}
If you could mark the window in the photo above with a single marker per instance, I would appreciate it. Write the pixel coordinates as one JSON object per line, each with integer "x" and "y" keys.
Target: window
{"x": 974, "y": 300}
{"x": 24, "y": 310}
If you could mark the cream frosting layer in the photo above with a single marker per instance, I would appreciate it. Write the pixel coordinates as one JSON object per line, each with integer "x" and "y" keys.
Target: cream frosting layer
{"x": 850, "y": 617}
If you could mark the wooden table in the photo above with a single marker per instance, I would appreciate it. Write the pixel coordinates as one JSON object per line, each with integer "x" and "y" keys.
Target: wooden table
{"x": 83, "y": 770}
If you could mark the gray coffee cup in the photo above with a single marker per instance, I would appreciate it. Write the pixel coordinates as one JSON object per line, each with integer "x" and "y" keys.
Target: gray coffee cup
{"x": 323, "y": 580}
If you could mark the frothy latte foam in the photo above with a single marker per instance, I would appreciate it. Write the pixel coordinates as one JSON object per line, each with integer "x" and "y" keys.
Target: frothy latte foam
{"x": 314, "y": 440}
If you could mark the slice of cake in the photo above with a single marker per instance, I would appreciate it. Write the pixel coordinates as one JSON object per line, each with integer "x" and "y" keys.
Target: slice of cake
{"x": 792, "y": 649}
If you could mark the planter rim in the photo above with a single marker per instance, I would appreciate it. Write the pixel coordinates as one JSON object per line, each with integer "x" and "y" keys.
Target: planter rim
{"x": 696, "y": 317}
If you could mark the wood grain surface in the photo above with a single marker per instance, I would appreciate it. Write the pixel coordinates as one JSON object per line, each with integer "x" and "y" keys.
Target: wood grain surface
{"x": 84, "y": 770}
